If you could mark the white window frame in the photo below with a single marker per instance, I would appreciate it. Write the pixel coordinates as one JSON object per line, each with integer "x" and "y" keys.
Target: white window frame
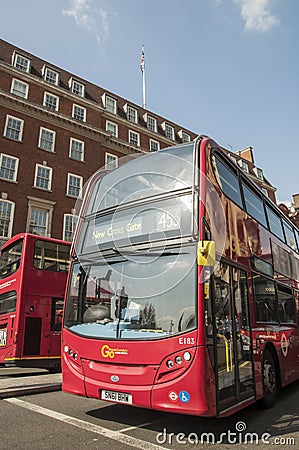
{"x": 151, "y": 123}
{"x": 244, "y": 165}
{"x": 132, "y": 140}
{"x": 113, "y": 132}
{"x": 21, "y": 62}
{"x": 19, "y": 93}
{"x": 259, "y": 173}
{"x": 131, "y": 113}
{"x": 168, "y": 130}
{"x": 15, "y": 171}
{"x": 113, "y": 159}
{"x": 41, "y": 130}
{"x": 10, "y": 220}
{"x": 50, "y": 75}
{"x": 82, "y": 109}
{"x": 77, "y": 87}
{"x": 20, "y": 131}
{"x": 66, "y": 232}
{"x": 48, "y": 179}
{"x": 69, "y": 175}
{"x": 156, "y": 143}
{"x": 184, "y": 136}
{"x": 111, "y": 109}
{"x": 54, "y": 97}
{"x": 46, "y": 206}
{"x": 233, "y": 158}
{"x": 81, "y": 152}
{"x": 265, "y": 191}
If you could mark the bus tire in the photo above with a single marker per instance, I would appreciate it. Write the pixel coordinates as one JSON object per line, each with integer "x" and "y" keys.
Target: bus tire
{"x": 270, "y": 380}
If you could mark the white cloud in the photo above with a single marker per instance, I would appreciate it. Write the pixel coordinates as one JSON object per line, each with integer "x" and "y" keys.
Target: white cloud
{"x": 88, "y": 16}
{"x": 256, "y": 14}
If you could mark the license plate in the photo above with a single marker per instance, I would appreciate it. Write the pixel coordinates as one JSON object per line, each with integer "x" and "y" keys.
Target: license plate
{"x": 117, "y": 397}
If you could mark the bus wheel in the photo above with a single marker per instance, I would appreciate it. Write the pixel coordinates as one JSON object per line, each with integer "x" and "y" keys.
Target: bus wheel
{"x": 269, "y": 380}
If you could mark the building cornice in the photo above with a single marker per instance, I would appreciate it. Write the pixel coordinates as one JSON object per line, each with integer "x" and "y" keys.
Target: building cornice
{"x": 83, "y": 101}
{"x": 58, "y": 119}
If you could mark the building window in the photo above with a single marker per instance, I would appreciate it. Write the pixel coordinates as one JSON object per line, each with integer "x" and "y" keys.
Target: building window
{"x": 132, "y": 113}
{"x": 184, "y": 136}
{"x": 50, "y": 76}
{"x": 169, "y": 130}
{"x": 6, "y": 218}
{"x": 14, "y": 128}
{"x": 76, "y": 149}
{"x": 244, "y": 165}
{"x": 79, "y": 113}
{"x": 154, "y": 145}
{"x": 21, "y": 62}
{"x": 19, "y": 88}
{"x": 134, "y": 138}
{"x": 77, "y": 88}
{"x": 110, "y": 104}
{"x": 151, "y": 123}
{"x": 39, "y": 221}
{"x": 40, "y": 213}
{"x": 233, "y": 158}
{"x": 259, "y": 173}
{"x": 112, "y": 128}
{"x": 111, "y": 161}
{"x": 43, "y": 177}
{"x": 46, "y": 139}
{"x": 69, "y": 226}
{"x": 51, "y": 101}
{"x": 74, "y": 185}
{"x": 265, "y": 192}
{"x": 8, "y": 167}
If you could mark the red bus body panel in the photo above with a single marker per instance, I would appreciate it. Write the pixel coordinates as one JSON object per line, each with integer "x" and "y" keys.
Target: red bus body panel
{"x": 138, "y": 367}
{"x": 30, "y": 325}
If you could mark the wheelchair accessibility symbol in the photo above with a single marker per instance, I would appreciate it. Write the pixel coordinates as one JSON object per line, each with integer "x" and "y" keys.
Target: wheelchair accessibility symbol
{"x": 184, "y": 396}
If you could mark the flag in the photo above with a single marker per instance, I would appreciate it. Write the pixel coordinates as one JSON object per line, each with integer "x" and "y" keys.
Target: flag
{"x": 142, "y": 59}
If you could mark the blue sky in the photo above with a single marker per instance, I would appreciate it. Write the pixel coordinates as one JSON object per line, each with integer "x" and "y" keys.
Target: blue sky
{"x": 226, "y": 68}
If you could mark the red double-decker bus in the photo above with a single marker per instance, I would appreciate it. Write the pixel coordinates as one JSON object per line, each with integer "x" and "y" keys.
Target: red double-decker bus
{"x": 183, "y": 289}
{"x": 33, "y": 274}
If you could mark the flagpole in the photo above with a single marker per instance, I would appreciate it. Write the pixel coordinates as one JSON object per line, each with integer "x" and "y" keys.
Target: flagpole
{"x": 143, "y": 88}
{"x": 142, "y": 67}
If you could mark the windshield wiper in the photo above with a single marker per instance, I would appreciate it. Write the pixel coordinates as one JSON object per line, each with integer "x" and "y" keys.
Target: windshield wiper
{"x": 147, "y": 253}
{"x": 102, "y": 261}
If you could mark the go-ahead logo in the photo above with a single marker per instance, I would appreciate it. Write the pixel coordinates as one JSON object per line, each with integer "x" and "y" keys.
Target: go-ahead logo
{"x": 108, "y": 352}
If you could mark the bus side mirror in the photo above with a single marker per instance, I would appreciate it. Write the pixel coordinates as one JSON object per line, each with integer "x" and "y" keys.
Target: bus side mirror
{"x": 206, "y": 253}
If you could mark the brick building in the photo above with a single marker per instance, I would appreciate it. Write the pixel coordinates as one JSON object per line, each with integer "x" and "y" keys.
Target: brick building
{"x": 245, "y": 159}
{"x": 57, "y": 129}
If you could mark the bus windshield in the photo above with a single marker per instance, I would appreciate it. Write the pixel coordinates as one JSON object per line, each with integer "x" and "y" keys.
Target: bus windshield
{"x": 10, "y": 259}
{"x": 170, "y": 170}
{"x": 147, "y": 295}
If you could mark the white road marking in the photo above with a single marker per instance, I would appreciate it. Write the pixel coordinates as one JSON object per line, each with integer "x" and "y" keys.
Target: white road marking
{"x": 110, "y": 434}
{"x": 140, "y": 425}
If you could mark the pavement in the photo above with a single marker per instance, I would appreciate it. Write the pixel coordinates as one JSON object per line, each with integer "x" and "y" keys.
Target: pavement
{"x": 16, "y": 382}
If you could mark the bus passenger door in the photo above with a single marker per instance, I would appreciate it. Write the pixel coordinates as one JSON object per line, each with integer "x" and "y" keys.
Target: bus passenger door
{"x": 33, "y": 328}
{"x": 55, "y": 327}
{"x": 232, "y": 337}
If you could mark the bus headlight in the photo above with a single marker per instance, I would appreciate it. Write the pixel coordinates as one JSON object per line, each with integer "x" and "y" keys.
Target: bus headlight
{"x": 174, "y": 365}
{"x": 187, "y": 356}
{"x": 178, "y": 360}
